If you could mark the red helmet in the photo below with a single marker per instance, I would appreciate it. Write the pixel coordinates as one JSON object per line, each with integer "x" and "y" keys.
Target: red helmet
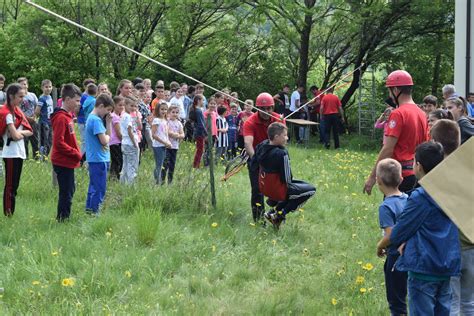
{"x": 264, "y": 100}
{"x": 399, "y": 78}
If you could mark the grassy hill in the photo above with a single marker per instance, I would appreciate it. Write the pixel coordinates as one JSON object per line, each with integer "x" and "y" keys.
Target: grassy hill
{"x": 165, "y": 250}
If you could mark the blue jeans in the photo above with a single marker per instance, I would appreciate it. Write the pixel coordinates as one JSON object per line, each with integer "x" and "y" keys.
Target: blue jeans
{"x": 396, "y": 286}
{"x": 463, "y": 286}
{"x": 160, "y": 154}
{"x": 97, "y": 185}
{"x": 428, "y": 298}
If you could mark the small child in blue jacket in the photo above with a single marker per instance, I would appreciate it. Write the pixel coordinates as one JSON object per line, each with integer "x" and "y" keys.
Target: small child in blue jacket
{"x": 430, "y": 249}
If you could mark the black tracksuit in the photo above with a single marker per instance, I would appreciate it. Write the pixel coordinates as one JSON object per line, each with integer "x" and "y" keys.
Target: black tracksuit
{"x": 275, "y": 159}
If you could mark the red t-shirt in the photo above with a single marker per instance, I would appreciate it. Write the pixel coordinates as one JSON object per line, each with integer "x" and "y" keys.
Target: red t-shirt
{"x": 409, "y": 125}
{"x": 330, "y": 104}
{"x": 241, "y": 118}
{"x": 256, "y": 127}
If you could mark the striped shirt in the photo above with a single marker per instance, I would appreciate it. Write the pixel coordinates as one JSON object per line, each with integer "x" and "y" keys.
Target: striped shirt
{"x": 222, "y": 137}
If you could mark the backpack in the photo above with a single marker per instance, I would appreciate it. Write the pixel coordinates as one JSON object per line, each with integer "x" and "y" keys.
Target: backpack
{"x": 271, "y": 185}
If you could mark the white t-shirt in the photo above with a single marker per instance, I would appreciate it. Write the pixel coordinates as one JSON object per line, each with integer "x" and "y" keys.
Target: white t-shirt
{"x": 125, "y": 121}
{"x": 295, "y": 96}
{"x": 161, "y": 131}
{"x": 180, "y": 104}
{"x": 16, "y": 149}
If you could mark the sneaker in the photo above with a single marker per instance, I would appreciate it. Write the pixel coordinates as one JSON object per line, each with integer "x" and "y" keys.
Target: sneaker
{"x": 275, "y": 218}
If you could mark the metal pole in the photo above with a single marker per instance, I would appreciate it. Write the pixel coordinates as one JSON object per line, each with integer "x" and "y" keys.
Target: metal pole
{"x": 211, "y": 160}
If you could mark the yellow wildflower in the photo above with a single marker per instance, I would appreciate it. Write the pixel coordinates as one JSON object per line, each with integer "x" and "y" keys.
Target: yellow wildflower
{"x": 214, "y": 225}
{"x": 68, "y": 282}
{"x": 362, "y": 290}
{"x": 334, "y": 301}
{"x": 360, "y": 279}
{"x": 35, "y": 282}
{"x": 128, "y": 274}
{"x": 367, "y": 266}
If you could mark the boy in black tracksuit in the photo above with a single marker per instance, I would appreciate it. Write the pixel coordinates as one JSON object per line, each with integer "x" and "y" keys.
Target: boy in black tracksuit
{"x": 275, "y": 178}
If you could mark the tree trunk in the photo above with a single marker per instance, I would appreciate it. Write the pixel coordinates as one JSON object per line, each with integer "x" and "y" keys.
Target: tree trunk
{"x": 304, "y": 45}
{"x": 436, "y": 69}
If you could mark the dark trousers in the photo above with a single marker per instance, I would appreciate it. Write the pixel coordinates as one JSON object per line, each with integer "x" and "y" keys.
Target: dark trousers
{"x": 331, "y": 123}
{"x": 407, "y": 184}
{"x": 322, "y": 130}
{"x": 13, "y": 167}
{"x": 298, "y": 193}
{"x": 67, "y": 188}
{"x": 199, "y": 151}
{"x": 116, "y": 161}
{"x": 46, "y": 138}
{"x": 232, "y": 150}
{"x": 169, "y": 164}
{"x": 395, "y": 286}
{"x": 256, "y": 200}
{"x": 33, "y": 140}
{"x": 240, "y": 142}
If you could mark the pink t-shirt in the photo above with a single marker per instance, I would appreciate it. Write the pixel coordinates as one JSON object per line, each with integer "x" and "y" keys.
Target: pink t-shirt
{"x": 241, "y": 118}
{"x": 114, "y": 140}
{"x": 161, "y": 131}
{"x": 214, "y": 122}
{"x": 174, "y": 126}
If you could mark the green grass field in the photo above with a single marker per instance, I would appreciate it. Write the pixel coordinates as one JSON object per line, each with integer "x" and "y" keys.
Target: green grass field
{"x": 165, "y": 250}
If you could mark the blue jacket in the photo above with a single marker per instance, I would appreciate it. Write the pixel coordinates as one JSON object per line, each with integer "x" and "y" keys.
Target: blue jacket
{"x": 432, "y": 241}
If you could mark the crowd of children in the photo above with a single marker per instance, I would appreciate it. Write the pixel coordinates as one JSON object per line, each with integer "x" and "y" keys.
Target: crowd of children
{"x": 427, "y": 259}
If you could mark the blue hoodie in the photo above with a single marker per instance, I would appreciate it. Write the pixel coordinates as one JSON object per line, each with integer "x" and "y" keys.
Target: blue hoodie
{"x": 432, "y": 241}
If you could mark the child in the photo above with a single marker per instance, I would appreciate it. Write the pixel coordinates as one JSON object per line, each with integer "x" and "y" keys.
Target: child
{"x": 89, "y": 102}
{"x": 275, "y": 179}
{"x": 382, "y": 121}
{"x": 222, "y": 140}
{"x": 115, "y": 144}
{"x": 65, "y": 155}
{"x": 436, "y": 115}
{"x": 389, "y": 177}
{"x": 430, "y": 250}
{"x": 241, "y": 118}
{"x": 159, "y": 133}
{"x": 458, "y": 109}
{"x": 44, "y": 109}
{"x": 98, "y": 153}
{"x": 212, "y": 112}
{"x": 28, "y": 106}
{"x": 431, "y": 104}
{"x": 199, "y": 130}
{"x": 81, "y": 121}
{"x": 130, "y": 150}
{"x": 145, "y": 113}
{"x": 14, "y": 128}
{"x": 175, "y": 135}
{"x": 232, "y": 132}
{"x": 447, "y": 133}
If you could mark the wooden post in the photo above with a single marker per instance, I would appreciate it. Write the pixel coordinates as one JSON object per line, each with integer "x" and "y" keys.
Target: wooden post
{"x": 211, "y": 160}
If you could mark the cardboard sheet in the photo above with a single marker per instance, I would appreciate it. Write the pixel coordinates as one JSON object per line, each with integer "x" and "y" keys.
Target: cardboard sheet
{"x": 450, "y": 185}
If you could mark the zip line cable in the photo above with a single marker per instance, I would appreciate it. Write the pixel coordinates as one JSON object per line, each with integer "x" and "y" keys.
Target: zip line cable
{"x": 37, "y": 6}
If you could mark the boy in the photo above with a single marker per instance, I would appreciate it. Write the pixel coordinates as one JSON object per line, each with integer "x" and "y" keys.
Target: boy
{"x": 43, "y": 110}
{"x": 389, "y": 177}
{"x": 98, "y": 154}
{"x": 130, "y": 150}
{"x": 3, "y": 96}
{"x": 66, "y": 155}
{"x": 81, "y": 121}
{"x": 430, "y": 250}
{"x": 28, "y": 106}
{"x": 222, "y": 140}
{"x": 160, "y": 97}
{"x": 275, "y": 179}
{"x": 232, "y": 132}
{"x": 448, "y": 134}
{"x": 89, "y": 102}
{"x": 431, "y": 104}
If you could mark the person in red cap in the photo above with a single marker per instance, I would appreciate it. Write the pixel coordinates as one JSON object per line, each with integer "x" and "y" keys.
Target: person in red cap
{"x": 255, "y": 131}
{"x": 407, "y": 128}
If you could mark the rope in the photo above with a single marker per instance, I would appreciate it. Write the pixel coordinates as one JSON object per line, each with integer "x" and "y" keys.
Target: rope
{"x": 37, "y": 6}
{"x": 321, "y": 93}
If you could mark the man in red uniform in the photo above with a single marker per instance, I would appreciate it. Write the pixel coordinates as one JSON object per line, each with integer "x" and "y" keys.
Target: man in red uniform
{"x": 407, "y": 128}
{"x": 331, "y": 112}
{"x": 255, "y": 131}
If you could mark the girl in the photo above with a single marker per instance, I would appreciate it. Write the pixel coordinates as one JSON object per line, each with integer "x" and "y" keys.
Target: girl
{"x": 458, "y": 109}
{"x": 212, "y": 112}
{"x": 116, "y": 139}
{"x": 159, "y": 133}
{"x": 130, "y": 150}
{"x": 438, "y": 115}
{"x": 200, "y": 132}
{"x": 175, "y": 135}
{"x": 125, "y": 89}
{"x": 381, "y": 122}
{"x": 14, "y": 127}
{"x": 241, "y": 118}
